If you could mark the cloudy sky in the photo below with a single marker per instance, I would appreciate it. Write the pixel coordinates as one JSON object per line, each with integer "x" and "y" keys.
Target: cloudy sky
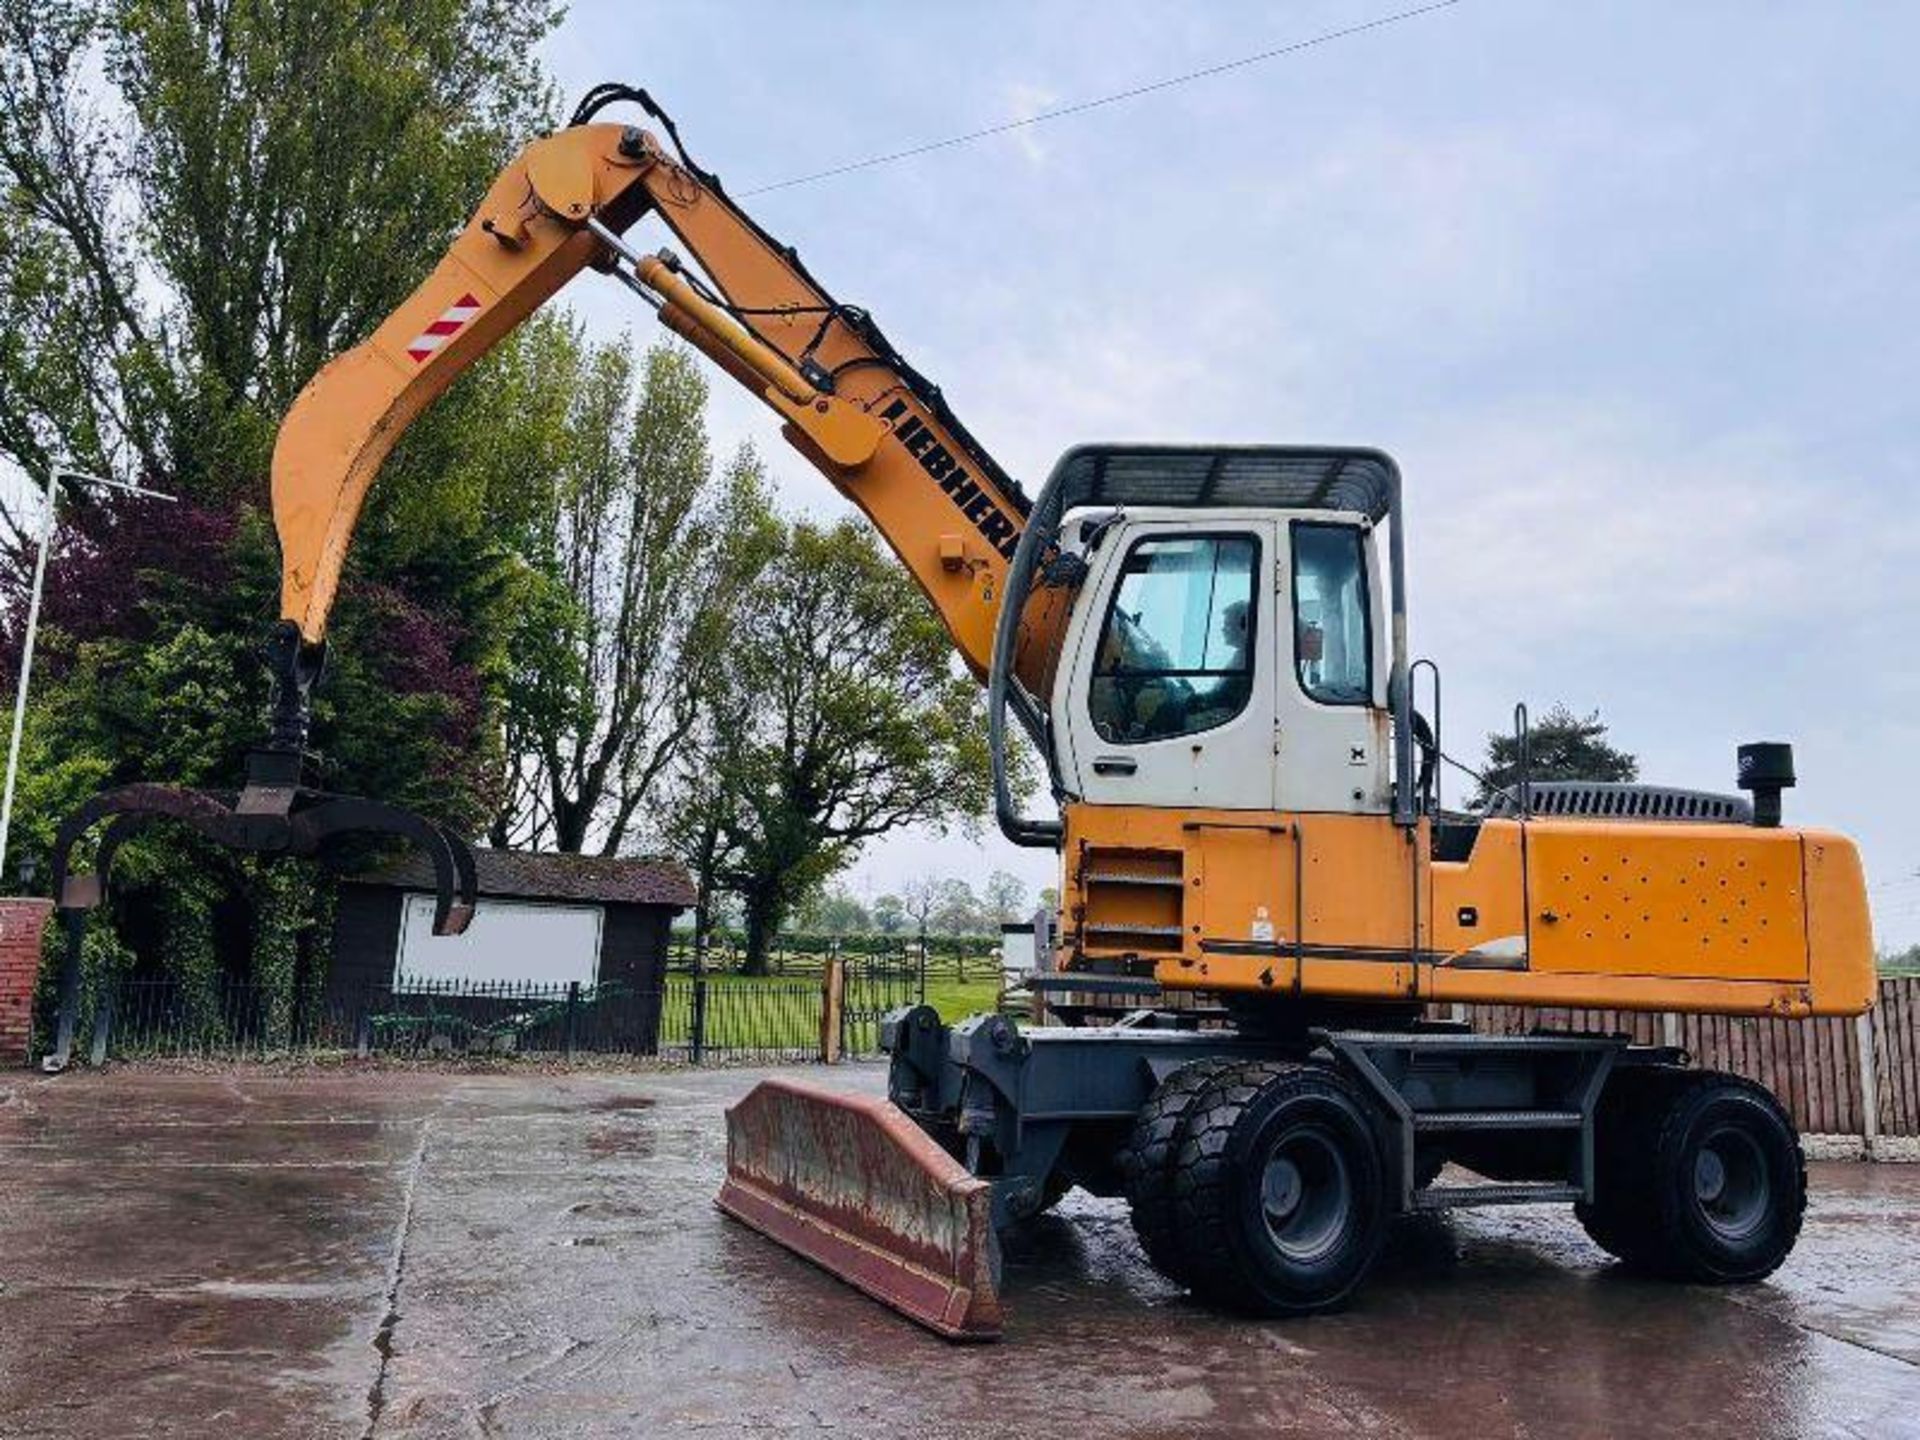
{"x": 1629, "y": 289}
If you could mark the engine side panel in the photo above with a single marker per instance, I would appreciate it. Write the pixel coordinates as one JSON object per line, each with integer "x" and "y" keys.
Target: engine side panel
{"x": 1712, "y": 901}
{"x": 1598, "y": 914}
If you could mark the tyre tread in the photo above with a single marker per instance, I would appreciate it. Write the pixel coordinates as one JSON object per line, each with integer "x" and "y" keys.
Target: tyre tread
{"x": 1673, "y": 1256}
{"x": 1636, "y": 1217}
{"x": 1146, "y": 1163}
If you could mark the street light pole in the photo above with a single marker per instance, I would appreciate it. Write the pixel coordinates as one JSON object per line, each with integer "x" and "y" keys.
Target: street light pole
{"x": 54, "y": 477}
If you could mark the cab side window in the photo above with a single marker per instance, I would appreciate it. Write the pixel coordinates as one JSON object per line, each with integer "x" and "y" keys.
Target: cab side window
{"x": 1333, "y": 643}
{"x": 1176, "y": 653}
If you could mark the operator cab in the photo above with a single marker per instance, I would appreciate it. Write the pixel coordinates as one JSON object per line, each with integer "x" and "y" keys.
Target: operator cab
{"x": 1233, "y": 636}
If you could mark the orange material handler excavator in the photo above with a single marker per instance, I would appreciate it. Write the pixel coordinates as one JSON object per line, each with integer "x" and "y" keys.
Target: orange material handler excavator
{"x": 1207, "y": 645}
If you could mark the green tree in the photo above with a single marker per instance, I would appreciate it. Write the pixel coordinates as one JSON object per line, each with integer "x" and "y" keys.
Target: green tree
{"x": 958, "y": 911}
{"x": 836, "y": 910}
{"x": 889, "y": 914}
{"x": 646, "y": 555}
{"x": 1006, "y": 898}
{"x": 209, "y": 199}
{"x": 205, "y": 201}
{"x": 859, "y": 722}
{"x": 704, "y": 802}
{"x": 1561, "y": 746}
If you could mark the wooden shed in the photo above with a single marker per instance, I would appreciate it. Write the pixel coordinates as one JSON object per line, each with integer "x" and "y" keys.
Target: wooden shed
{"x": 541, "y": 920}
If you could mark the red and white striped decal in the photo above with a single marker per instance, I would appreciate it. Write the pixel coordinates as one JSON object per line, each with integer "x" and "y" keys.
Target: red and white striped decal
{"x": 452, "y": 320}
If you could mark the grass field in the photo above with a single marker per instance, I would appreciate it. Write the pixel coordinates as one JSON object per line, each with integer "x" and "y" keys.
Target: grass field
{"x": 955, "y": 999}
{"x": 781, "y": 1014}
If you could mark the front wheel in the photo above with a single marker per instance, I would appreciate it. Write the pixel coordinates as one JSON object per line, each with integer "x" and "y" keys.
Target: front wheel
{"x": 1147, "y": 1162}
{"x": 1280, "y": 1205}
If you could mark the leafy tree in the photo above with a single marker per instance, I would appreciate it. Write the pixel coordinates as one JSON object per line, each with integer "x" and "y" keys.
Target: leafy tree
{"x": 1007, "y": 898}
{"x": 704, "y": 803}
{"x": 208, "y": 199}
{"x": 205, "y": 201}
{"x": 835, "y": 911}
{"x": 889, "y": 915}
{"x": 959, "y": 911}
{"x": 647, "y": 556}
{"x": 860, "y": 722}
{"x": 1562, "y": 746}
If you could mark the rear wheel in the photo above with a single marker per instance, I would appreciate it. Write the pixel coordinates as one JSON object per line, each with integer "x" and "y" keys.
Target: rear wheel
{"x": 1146, "y": 1164}
{"x": 1623, "y": 1126}
{"x": 1279, "y": 1190}
{"x": 1709, "y": 1182}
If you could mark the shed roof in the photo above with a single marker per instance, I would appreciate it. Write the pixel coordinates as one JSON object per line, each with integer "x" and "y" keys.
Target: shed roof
{"x": 642, "y": 880}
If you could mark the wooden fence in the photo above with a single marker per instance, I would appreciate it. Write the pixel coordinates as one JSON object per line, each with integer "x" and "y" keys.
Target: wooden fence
{"x": 1837, "y": 1076}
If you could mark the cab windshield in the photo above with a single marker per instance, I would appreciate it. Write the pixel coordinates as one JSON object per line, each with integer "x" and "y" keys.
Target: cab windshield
{"x": 1176, "y": 653}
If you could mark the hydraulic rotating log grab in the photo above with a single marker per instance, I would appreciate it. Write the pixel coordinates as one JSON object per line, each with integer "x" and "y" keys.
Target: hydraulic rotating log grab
{"x": 277, "y": 811}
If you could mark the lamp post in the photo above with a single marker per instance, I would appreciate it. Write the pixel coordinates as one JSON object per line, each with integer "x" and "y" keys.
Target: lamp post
{"x": 54, "y": 477}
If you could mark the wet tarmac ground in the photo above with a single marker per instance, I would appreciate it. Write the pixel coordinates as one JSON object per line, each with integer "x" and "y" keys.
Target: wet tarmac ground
{"x": 406, "y": 1254}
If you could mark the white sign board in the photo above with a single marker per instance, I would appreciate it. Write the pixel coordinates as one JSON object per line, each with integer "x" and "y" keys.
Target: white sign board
{"x": 509, "y": 940}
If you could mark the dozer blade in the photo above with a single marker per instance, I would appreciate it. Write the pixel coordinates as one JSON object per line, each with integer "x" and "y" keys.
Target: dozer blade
{"x": 850, "y": 1182}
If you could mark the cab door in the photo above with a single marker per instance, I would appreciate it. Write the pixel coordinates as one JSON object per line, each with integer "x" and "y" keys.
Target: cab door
{"x": 1172, "y": 677}
{"x": 1333, "y": 731}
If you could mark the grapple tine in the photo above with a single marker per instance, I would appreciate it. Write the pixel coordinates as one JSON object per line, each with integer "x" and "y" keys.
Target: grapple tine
{"x": 850, "y": 1182}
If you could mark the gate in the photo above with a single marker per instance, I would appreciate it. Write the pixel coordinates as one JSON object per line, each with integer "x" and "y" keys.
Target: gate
{"x": 876, "y": 985}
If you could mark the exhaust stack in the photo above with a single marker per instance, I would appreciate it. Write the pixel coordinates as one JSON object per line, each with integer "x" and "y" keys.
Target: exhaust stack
{"x": 1766, "y": 768}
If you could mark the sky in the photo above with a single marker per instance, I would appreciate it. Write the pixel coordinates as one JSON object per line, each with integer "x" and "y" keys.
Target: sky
{"x": 1628, "y": 289}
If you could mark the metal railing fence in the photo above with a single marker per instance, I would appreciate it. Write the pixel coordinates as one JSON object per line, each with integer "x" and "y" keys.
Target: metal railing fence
{"x": 688, "y": 1018}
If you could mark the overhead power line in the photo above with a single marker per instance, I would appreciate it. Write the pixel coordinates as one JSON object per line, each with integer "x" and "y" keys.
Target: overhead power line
{"x": 1081, "y": 107}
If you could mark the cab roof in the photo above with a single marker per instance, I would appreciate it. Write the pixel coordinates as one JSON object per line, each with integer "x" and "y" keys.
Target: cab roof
{"x": 1281, "y": 477}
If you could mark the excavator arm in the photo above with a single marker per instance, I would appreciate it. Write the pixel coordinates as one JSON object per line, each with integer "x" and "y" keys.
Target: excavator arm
{"x": 849, "y": 402}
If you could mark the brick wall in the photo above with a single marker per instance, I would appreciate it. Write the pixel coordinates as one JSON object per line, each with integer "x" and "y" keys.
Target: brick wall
{"x": 21, "y": 922}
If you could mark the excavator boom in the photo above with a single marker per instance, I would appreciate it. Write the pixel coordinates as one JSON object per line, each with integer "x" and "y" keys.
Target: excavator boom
{"x": 903, "y": 1219}
{"x": 849, "y": 402}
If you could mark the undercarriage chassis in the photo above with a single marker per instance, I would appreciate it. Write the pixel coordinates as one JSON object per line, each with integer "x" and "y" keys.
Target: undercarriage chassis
{"x": 1035, "y": 1112}
{"x": 1261, "y": 1167}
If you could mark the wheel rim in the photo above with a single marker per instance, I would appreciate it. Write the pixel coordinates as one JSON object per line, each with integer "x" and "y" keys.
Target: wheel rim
{"x": 1731, "y": 1183}
{"x": 1306, "y": 1194}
